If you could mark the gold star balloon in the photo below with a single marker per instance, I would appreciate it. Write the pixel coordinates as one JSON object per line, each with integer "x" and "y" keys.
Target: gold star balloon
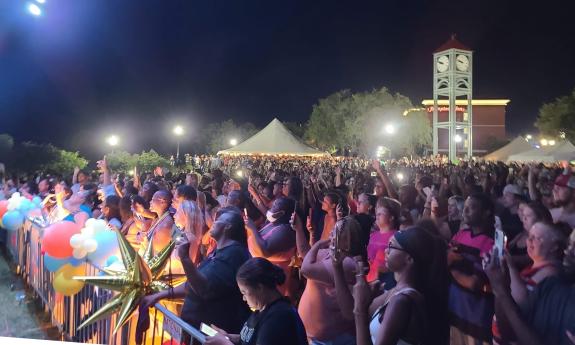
{"x": 141, "y": 276}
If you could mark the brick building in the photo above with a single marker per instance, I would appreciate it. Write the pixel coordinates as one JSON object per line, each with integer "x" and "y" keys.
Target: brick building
{"x": 488, "y": 122}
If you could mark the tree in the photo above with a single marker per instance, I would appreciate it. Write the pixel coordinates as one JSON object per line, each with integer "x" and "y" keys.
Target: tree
{"x": 558, "y": 116}
{"x": 65, "y": 162}
{"x": 355, "y": 121}
{"x": 296, "y": 128}
{"x": 217, "y": 136}
{"x": 29, "y": 157}
{"x": 121, "y": 161}
{"x": 148, "y": 161}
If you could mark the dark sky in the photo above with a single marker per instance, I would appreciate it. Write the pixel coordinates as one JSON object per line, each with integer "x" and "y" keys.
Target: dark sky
{"x": 135, "y": 67}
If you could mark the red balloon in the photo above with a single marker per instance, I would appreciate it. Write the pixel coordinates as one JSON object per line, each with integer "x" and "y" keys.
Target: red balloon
{"x": 56, "y": 239}
{"x": 3, "y": 207}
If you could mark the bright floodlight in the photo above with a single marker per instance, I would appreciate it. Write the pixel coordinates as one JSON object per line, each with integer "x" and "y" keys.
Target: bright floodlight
{"x": 113, "y": 140}
{"x": 233, "y": 142}
{"x": 240, "y": 173}
{"x": 380, "y": 148}
{"x": 41, "y": 1}
{"x": 528, "y": 137}
{"x": 178, "y": 130}
{"x": 399, "y": 176}
{"x": 457, "y": 138}
{"x": 544, "y": 142}
{"x": 390, "y": 129}
{"x": 551, "y": 142}
{"x": 34, "y": 10}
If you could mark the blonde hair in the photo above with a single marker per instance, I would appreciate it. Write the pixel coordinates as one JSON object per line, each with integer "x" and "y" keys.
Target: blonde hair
{"x": 194, "y": 221}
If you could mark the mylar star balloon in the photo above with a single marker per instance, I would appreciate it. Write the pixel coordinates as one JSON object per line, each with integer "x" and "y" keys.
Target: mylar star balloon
{"x": 140, "y": 276}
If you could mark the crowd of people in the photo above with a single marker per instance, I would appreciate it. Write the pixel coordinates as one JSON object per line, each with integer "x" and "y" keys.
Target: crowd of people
{"x": 293, "y": 250}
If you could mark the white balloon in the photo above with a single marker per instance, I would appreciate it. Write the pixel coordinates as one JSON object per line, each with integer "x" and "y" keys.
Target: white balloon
{"x": 87, "y": 232}
{"x": 90, "y": 222}
{"x": 79, "y": 253}
{"x": 90, "y": 245}
{"x": 76, "y": 241}
{"x": 99, "y": 225}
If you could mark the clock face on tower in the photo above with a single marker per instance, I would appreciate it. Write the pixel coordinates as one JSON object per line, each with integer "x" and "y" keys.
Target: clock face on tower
{"x": 462, "y": 63}
{"x": 442, "y": 63}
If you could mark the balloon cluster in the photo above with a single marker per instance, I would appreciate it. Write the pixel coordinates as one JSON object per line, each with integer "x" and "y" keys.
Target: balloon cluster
{"x": 85, "y": 242}
{"x": 13, "y": 211}
{"x": 67, "y": 246}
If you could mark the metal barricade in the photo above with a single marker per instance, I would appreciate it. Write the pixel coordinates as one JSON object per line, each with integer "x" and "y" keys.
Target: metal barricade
{"x": 67, "y": 313}
{"x": 167, "y": 325}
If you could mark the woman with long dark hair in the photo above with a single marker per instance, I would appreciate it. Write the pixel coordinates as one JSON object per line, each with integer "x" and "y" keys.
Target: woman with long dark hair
{"x": 408, "y": 313}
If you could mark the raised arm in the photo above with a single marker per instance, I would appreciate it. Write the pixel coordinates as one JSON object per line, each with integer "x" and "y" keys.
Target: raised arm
{"x": 392, "y": 193}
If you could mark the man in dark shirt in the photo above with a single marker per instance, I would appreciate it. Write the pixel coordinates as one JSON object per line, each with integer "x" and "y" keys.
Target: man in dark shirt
{"x": 221, "y": 302}
{"x": 510, "y": 221}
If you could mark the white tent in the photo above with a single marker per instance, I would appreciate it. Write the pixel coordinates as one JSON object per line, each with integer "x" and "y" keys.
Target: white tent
{"x": 274, "y": 139}
{"x": 516, "y": 146}
{"x": 562, "y": 151}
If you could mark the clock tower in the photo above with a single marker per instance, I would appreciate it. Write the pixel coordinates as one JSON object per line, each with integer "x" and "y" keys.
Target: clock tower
{"x": 452, "y": 81}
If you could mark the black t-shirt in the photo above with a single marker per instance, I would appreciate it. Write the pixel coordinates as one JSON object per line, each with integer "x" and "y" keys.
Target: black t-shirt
{"x": 222, "y": 304}
{"x": 551, "y": 310}
{"x": 278, "y": 324}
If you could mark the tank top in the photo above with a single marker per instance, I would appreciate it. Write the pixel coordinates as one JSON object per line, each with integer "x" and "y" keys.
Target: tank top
{"x": 377, "y": 317}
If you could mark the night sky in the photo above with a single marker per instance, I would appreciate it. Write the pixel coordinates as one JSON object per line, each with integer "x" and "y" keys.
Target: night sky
{"x": 135, "y": 67}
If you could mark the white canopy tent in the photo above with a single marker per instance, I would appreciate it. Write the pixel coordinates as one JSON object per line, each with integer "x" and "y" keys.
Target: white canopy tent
{"x": 562, "y": 151}
{"x": 274, "y": 139}
{"x": 516, "y": 146}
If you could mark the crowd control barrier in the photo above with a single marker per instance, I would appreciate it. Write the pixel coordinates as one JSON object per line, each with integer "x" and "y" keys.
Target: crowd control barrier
{"x": 67, "y": 313}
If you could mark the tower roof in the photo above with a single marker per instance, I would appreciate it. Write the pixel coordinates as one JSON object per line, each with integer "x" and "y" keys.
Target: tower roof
{"x": 452, "y": 43}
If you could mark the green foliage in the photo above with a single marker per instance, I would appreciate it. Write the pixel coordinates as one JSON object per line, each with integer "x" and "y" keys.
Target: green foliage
{"x": 65, "y": 162}
{"x": 30, "y": 157}
{"x": 121, "y": 161}
{"x": 148, "y": 160}
{"x": 217, "y": 136}
{"x": 558, "y": 116}
{"x": 356, "y": 121}
{"x": 297, "y": 129}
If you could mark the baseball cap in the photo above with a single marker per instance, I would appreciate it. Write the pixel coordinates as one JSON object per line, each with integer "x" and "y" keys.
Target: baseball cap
{"x": 512, "y": 189}
{"x": 565, "y": 181}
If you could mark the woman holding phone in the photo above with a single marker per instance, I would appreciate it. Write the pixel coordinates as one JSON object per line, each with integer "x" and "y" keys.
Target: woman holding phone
{"x": 274, "y": 320}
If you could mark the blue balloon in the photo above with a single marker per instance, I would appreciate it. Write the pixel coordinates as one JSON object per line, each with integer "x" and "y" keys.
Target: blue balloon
{"x": 12, "y": 220}
{"x": 36, "y": 201}
{"x": 107, "y": 246}
{"x": 111, "y": 260}
{"x": 25, "y": 205}
{"x": 76, "y": 262}
{"x": 53, "y": 264}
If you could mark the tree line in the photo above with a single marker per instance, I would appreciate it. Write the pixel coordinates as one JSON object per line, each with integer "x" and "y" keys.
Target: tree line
{"x": 341, "y": 123}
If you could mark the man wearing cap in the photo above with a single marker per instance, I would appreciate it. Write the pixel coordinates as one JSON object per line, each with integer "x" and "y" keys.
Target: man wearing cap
{"x": 564, "y": 199}
{"x": 510, "y": 221}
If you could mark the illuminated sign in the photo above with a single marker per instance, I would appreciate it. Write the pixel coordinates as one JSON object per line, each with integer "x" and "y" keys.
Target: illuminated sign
{"x": 442, "y": 109}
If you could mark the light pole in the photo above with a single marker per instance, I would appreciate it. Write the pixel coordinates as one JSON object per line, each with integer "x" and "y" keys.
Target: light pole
{"x": 178, "y": 131}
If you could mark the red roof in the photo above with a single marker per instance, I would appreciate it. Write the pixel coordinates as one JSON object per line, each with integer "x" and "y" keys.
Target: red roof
{"x": 452, "y": 43}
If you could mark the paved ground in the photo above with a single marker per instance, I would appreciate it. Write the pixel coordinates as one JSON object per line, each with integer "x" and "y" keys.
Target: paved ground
{"x": 20, "y": 316}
